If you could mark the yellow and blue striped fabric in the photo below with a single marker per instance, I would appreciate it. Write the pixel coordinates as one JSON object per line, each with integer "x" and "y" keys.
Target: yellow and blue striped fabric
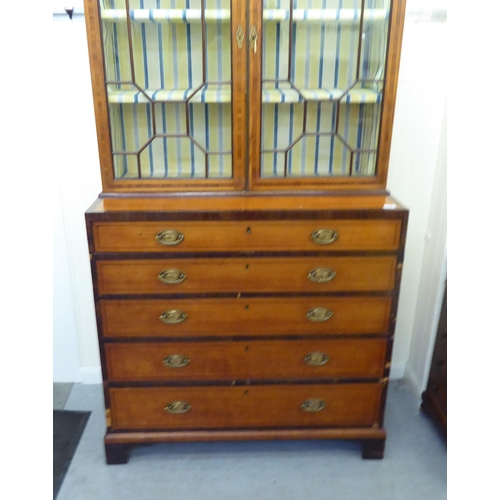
{"x": 167, "y": 60}
{"x": 323, "y": 68}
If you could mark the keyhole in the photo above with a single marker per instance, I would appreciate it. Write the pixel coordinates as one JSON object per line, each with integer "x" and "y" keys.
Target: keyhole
{"x": 246, "y": 348}
{"x": 245, "y": 393}
{"x": 249, "y": 230}
{"x": 247, "y": 307}
{"x": 247, "y": 266}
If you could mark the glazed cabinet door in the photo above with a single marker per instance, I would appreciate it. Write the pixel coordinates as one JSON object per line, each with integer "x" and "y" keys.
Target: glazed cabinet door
{"x": 322, "y": 80}
{"x": 169, "y": 82}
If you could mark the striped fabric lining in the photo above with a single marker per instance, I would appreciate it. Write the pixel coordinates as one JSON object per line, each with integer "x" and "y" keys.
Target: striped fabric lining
{"x": 323, "y": 64}
{"x": 167, "y": 80}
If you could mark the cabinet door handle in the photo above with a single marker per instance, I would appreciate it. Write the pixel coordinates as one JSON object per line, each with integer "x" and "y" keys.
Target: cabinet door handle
{"x": 173, "y": 316}
{"x": 176, "y": 361}
{"x": 324, "y": 236}
{"x": 321, "y": 275}
{"x": 253, "y": 35}
{"x": 176, "y": 407}
{"x": 316, "y": 359}
{"x": 169, "y": 237}
{"x": 319, "y": 314}
{"x": 171, "y": 276}
{"x": 313, "y": 405}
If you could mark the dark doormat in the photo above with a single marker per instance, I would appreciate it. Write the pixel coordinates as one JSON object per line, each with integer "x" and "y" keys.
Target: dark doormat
{"x": 68, "y": 427}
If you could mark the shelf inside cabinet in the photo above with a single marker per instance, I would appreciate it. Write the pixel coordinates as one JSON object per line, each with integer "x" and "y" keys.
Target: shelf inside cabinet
{"x": 288, "y": 94}
{"x": 215, "y": 93}
{"x": 221, "y": 94}
{"x": 275, "y": 15}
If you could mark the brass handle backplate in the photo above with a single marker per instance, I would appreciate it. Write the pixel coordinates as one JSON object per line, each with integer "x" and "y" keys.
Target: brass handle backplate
{"x": 316, "y": 359}
{"x": 321, "y": 274}
{"x": 169, "y": 237}
{"x": 324, "y": 236}
{"x": 171, "y": 276}
{"x": 173, "y": 316}
{"x": 313, "y": 405}
{"x": 176, "y": 407}
{"x": 176, "y": 361}
{"x": 319, "y": 314}
{"x": 240, "y": 37}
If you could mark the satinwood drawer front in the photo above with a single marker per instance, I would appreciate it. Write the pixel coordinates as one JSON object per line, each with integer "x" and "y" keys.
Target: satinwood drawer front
{"x": 353, "y": 405}
{"x": 312, "y": 274}
{"x": 242, "y": 360}
{"x": 245, "y": 316}
{"x": 236, "y": 236}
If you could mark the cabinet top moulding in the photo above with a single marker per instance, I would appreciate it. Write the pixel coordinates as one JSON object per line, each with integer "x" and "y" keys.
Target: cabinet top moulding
{"x": 235, "y": 99}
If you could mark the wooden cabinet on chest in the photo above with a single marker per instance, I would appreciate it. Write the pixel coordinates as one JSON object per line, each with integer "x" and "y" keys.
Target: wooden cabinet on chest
{"x": 245, "y": 253}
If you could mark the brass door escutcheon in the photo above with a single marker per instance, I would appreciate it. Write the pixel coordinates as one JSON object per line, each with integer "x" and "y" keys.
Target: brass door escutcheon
{"x": 316, "y": 359}
{"x": 176, "y": 407}
{"x": 169, "y": 237}
{"x": 240, "y": 37}
{"x": 321, "y": 275}
{"x": 171, "y": 276}
{"x": 173, "y": 316}
{"x": 324, "y": 236}
{"x": 313, "y": 405}
{"x": 319, "y": 314}
{"x": 176, "y": 361}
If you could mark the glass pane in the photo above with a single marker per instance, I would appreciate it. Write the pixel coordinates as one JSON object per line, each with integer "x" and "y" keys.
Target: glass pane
{"x": 364, "y": 164}
{"x": 131, "y": 127}
{"x": 359, "y": 116}
{"x": 169, "y": 157}
{"x": 126, "y": 166}
{"x": 168, "y": 68}
{"x": 319, "y": 156}
{"x": 210, "y": 126}
{"x": 328, "y": 56}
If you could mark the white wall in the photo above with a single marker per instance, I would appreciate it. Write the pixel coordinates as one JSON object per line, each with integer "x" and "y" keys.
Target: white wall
{"x": 78, "y": 177}
{"x": 417, "y": 162}
{"x": 416, "y": 172}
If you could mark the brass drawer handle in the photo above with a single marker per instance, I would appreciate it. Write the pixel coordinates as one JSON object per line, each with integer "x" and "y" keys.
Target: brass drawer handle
{"x": 176, "y": 361}
{"x": 324, "y": 236}
{"x": 171, "y": 276}
{"x": 321, "y": 274}
{"x": 319, "y": 314}
{"x": 169, "y": 237}
{"x": 316, "y": 359}
{"x": 173, "y": 316}
{"x": 313, "y": 405}
{"x": 176, "y": 407}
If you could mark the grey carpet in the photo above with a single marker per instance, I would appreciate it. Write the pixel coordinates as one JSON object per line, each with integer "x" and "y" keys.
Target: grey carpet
{"x": 414, "y": 467}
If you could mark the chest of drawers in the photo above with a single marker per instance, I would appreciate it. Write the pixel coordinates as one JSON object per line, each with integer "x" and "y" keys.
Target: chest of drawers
{"x": 245, "y": 317}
